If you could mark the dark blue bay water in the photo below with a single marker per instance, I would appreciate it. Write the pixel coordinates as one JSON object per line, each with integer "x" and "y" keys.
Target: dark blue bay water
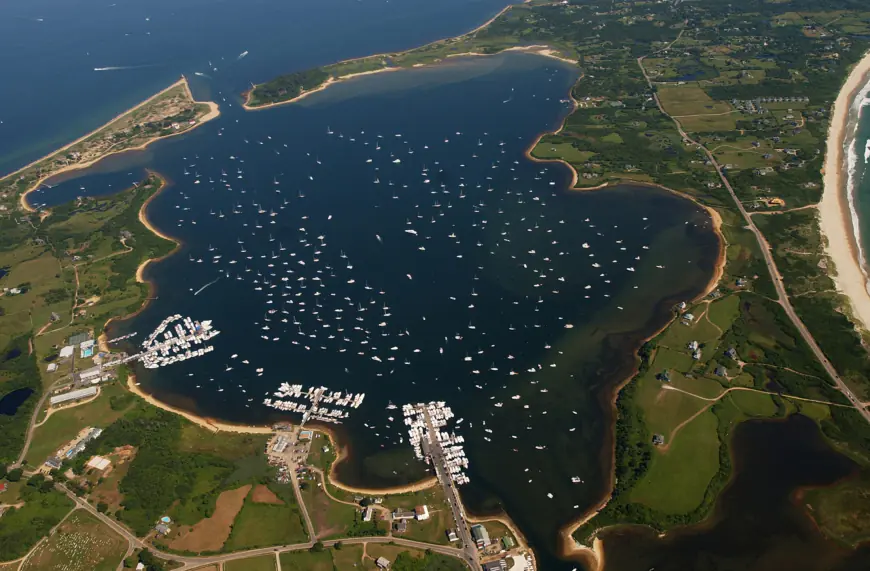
{"x": 501, "y": 258}
{"x": 396, "y": 216}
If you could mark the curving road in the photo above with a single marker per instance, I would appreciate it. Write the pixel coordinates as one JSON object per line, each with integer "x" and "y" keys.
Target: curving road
{"x": 32, "y": 426}
{"x": 782, "y": 296}
{"x": 189, "y": 563}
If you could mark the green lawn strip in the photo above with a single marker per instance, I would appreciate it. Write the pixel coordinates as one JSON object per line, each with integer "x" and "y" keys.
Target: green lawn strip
{"x": 678, "y": 478}
{"x": 262, "y": 563}
{"x": 306, "y": 561}
{"x": 262, "y": 525}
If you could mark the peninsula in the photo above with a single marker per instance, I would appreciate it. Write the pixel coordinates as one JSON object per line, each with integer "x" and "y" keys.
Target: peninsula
{"x": 737, "y": 122}
{"x": 172, "y": 111}
{"x": 727, "y": 106}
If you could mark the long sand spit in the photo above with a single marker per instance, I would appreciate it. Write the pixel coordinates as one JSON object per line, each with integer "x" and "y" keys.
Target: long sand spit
{"x": 836, "y": 221}
{"x": 214, "y": 112}
{"x": 541, "y": 50}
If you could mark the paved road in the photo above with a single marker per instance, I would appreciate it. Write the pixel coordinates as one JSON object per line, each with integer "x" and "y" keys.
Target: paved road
{"x": 782, "y": 296}
{"x": 32, "y": 426}
{"x": 189, "y": 563}
{"x": 469, "y": 551}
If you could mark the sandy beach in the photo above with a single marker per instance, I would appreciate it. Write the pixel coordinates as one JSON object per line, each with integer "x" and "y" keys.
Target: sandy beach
{"x": 342, "y": 454}
{"x": 207, "y": 423}
{"x": 143, "y": 218}
{"x": 540, "y": 50}
{"x": 835, "y": 217}
{"x": 305, "y": 93}
{"x": 214, "y": 112}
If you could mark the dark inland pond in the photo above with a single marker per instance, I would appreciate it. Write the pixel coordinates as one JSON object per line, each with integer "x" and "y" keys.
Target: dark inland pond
{"x": 10, "y": 402}
{"x": 757, "y": 525}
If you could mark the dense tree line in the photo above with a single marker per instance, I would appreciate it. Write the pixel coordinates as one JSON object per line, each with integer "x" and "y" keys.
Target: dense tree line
{"x": 18, "y": 371}
{"x": 160, "y": 474}
{"x": 21, "y": 528}
{"x": 288, "y": 86}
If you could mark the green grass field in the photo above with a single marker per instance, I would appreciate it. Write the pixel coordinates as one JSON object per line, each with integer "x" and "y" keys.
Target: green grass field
{"x": 753, "y": 404}
{"x": 348, "y": 558}
{"x": 723, "y": 312}
{"x": 317, "y": 457}
{"x": 678, "y": 477}
{"x": 64, "y": 425}
{"x": 664, "y": 409}
{"x": 689, "y": 99}
{"x": 432, "y": 530}
{"x": 22, "y": 528}
{"x": 700, "y": 330}
{"x": 330, "y": 519}
{"x": 227, "y": 445}
{"x": 262, "y": 525}
{"x": 546, "y": 149}
{"x": 81, "y": 543}
{"x": 262, "y": 563}
{"x": 306, "y": 561}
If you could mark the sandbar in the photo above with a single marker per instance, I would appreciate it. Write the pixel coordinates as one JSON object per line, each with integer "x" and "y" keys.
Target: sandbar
{"x": 214, "y": 112}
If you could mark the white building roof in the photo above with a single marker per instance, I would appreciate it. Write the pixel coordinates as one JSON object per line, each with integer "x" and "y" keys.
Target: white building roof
{"x": 73, "y": 395}
{"x": 99, "y": 463}
{"x": 67, "y": 352}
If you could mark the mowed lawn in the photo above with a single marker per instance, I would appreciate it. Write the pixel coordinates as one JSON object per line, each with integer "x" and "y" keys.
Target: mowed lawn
{"x": 678, "y": 477}
{"x": 306, "y": 561}
{"x": 432, "y": 530}
{"x": 724, "y": 311}
{"x": 547, "y": 150}
{"x": 81, "y": 543}
{"x": 388, "y": 552}
{"x": 754, "y": 404}
{"x": 665, "y": 409}
{"x": 262, "y": 563}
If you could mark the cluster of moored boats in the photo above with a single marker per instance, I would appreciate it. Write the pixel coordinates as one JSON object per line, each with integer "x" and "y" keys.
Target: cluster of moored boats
{"x": 424, "y": 419}
{"x": 167, "y": 345}
{"x": 317, "y": 396}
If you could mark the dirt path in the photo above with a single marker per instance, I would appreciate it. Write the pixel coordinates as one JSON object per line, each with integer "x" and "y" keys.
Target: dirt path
{"x": 711, "y": 401}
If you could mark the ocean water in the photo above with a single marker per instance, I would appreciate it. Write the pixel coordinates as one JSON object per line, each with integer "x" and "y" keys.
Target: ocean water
{"x": 52, "y": 95}
{"x": 859, "y": 172}
{"x": 390, "y": 236}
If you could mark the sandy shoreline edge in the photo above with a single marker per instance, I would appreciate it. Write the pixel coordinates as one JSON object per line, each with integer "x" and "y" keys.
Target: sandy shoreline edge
{"x": 214, "y": 112}
{"x": 538, "y": 49}
{"x": 835, "y": 218}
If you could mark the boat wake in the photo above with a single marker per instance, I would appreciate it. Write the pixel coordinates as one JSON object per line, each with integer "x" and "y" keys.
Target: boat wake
{"x": 197, "y": 292}
{"x": 122, "y": 67}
